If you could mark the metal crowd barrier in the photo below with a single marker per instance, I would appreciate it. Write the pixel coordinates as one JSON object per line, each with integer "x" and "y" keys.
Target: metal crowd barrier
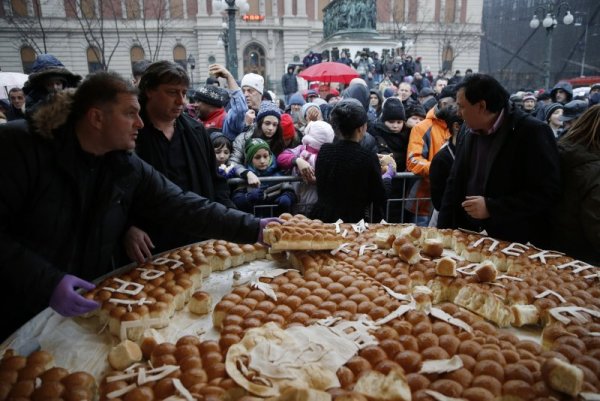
{"x": 394, "y": 209}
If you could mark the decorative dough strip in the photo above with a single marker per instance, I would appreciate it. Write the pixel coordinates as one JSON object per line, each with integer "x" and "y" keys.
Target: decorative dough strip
{"x": 441, "y": 397}
{"x": 574, "y": 312}
{"x": 440, "y": 314}
{"x": 550, "y": 292}
{"x": 515, "y": 249}
{"x": 481, "y": 240}
{"x": 182, "y": 390}
{"x": 442, "y": 365}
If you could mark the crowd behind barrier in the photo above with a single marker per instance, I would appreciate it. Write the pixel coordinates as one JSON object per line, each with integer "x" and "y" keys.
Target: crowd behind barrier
{"x": 394, "y": 208}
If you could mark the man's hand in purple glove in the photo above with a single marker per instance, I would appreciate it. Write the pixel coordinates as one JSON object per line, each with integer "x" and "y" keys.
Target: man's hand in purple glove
{"x": 263, "y": 224}
{"x": 67, "y": 301}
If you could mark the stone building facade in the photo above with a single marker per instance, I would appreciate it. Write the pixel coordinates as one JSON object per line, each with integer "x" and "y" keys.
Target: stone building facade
{"x": 89, "y": 34}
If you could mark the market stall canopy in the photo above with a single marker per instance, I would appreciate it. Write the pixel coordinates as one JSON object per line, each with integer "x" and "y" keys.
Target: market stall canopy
{"x": 9, "y": 80}
{"x": 329, "y": 72}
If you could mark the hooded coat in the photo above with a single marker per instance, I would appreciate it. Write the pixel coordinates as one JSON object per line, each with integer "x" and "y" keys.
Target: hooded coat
{"x": 577, "y": 220}
{"x": 45, "y": 65}
{"x": 64, "y": 211}
{"x": 361, "y": 93}
{"x": 567, "y": 87}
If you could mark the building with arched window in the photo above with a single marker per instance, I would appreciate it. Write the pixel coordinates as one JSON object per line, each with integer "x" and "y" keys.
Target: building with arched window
{"x": 87, "y": 35}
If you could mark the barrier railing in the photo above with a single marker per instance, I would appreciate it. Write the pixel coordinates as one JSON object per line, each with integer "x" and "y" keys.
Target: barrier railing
{"x": 394, "y": 209}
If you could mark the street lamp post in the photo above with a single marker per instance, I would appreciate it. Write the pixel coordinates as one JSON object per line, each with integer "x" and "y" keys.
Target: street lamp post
{"x": 551, "y": 10}
{"x": 192, "y": 63}
{"x": 579, "y": 22}
{"x": 229, "y": 33}
{"x": 232, "y": 60}
{"x": 403, "y": 38}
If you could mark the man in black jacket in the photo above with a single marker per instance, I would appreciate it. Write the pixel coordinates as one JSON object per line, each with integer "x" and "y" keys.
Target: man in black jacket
{"x": 505, "y": 178}
{"x": 178, "y": 147}
{"x": 289, "y": 83}
{"x": 70, "y": 185}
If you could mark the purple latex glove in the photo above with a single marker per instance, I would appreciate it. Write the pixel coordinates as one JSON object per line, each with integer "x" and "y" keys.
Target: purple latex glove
{"x": 67, "y": 301}
{"x": 263, "y": 224}
{"x": 390, "y": 173}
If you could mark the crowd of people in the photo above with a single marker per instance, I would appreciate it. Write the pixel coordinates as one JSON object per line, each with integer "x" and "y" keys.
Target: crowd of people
{"x": 108, "y": 170}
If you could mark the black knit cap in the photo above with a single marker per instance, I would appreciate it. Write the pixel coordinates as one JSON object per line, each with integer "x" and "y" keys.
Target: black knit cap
{"x": 448, "y": 91}
{"x": 392, "y": 110}
{"x": 414, "y": 109}
{"x": 212, "y": 95}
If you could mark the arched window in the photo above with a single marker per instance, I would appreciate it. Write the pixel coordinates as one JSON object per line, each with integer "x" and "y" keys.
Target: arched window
{"x": 450, "y": 14}
{"x": 27, "y": 58}
{"x": 254, "y": 59}
{"x": 180, "y": 56}
{"x": 19, "y": 8}
{"x": 136, "y": 53}
{"x": 93, "y": 59}
{"x": 447, "y": 58}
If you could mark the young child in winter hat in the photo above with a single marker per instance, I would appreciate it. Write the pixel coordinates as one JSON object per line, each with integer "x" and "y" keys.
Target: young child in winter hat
{"x": 223, "y": 148}
{"x": 261, "y": 161}
{"x": 302, "y": 160}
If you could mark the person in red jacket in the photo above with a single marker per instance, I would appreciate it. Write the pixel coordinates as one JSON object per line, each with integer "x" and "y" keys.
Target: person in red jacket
{"x": 209, "y": 102}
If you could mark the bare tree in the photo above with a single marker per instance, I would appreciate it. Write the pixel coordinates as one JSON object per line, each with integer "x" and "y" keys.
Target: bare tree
{"x": 32, "y": 28}
{"x": 154, "y": 26}
{"x": 406, "y": 23}
{"x": 93, "y": 24}
{"x": 456, "y": 39}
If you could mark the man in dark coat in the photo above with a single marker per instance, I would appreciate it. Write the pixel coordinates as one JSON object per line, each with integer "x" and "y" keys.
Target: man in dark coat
{"x": 506, "y": 177}
{"x": 16, "y": 110}
{"x": 289, "y": 84}
{"x": 70, "y": 186}
{"x": 178, "y": 147}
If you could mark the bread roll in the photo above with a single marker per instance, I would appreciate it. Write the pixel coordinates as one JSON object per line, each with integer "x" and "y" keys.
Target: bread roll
{"x": 486, "y": 272}
{"x": 409, "y": 253}
{"x": 125, "y": 354}
{"x": 200, "y": 303}
{"x": 433, "y": 248}
{"x": 446, "y": 267}
{"x": 562, "y": 376}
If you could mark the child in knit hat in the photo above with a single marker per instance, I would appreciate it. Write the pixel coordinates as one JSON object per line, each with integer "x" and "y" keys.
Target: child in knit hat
{"x": 390, "y": 132}
{"x": 290, "y": 138}
{"x": 302, "y": 160}
{"x": 267, "y": 127}
{"x": 262, "y": 163}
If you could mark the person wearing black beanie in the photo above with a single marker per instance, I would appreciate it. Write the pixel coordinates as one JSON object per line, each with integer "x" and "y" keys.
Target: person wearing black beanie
{"x": 392, "y": 134}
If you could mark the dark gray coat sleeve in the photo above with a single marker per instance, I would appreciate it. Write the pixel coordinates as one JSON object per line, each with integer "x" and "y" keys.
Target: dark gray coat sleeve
{"x": 159, "y": 200}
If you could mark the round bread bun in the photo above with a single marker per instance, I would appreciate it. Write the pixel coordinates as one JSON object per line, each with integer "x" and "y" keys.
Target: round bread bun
{"x": 200, "y": 303}
{"x": 124, "y": 354}
{"x": 384, "y": 160}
